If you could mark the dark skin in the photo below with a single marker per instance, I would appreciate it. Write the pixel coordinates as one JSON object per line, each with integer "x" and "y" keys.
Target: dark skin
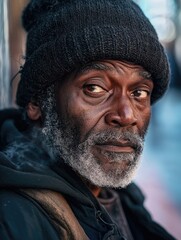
{"x": 113, "y": 94}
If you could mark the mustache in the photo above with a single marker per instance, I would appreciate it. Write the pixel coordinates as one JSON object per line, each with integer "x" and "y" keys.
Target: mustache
{"x": 129, "y": 137}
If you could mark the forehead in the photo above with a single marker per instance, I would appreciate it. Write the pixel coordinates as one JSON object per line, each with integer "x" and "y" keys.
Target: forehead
{"x": 112, "y": 66}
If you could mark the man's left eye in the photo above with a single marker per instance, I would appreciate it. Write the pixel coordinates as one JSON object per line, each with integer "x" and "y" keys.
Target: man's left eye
{"x": 142, "y": 94}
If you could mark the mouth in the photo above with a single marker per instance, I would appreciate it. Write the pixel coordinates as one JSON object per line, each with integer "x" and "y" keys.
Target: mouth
{"x": 117, "y": 146}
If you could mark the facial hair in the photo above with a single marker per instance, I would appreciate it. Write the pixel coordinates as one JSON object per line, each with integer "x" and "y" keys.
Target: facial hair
{"x": 64, "y": 135}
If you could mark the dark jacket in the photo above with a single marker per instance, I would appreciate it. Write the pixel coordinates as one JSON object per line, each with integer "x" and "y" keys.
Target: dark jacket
{"x": 25, "y": 164}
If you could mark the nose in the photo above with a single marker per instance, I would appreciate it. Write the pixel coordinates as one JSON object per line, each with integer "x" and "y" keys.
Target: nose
{"x": 121, "y": 114}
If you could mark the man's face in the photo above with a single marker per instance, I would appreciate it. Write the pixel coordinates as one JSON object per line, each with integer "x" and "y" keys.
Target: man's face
{"x": 103, "y": 113}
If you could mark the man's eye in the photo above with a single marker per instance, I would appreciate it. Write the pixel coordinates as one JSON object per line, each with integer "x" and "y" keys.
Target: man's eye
{"x": 142, "y": 94}
{"x": 92, "y": 88}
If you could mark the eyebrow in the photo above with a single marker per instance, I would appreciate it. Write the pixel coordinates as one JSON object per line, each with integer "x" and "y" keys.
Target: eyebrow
{"x": 94, "y": 66}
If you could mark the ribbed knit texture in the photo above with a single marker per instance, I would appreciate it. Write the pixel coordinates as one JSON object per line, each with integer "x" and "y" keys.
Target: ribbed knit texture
{"x": 66, "y": 34}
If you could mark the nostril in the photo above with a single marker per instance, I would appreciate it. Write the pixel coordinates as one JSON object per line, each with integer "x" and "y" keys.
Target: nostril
{"x": 115, "y": 122}
{"x": 112, "y": 119}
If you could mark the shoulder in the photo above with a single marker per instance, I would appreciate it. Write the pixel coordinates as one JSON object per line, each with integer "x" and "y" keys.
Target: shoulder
{"x": 22, "y": 218}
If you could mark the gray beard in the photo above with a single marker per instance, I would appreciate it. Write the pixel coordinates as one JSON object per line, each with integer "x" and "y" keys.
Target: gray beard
{"x": 64, "y": 139}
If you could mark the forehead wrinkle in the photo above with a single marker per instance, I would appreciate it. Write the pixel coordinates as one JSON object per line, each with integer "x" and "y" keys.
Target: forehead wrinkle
{"x": 101, "y": 66}
{"x": 145, "y": 74}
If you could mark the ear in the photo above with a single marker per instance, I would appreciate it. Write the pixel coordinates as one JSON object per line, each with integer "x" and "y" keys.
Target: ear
{"x": 33, "y": 111}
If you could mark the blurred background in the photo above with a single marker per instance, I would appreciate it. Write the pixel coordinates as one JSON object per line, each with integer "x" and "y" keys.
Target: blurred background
{"x": 160, "y": 173}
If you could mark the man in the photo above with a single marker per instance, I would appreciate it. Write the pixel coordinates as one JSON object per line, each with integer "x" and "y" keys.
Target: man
{"x": 69, "y": 153}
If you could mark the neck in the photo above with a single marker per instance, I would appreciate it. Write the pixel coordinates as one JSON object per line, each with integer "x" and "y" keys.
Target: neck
{"x": 94, "y": 189}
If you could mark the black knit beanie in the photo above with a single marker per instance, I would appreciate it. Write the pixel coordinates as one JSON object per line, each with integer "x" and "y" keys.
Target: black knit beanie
{"x": 66, "y": 34}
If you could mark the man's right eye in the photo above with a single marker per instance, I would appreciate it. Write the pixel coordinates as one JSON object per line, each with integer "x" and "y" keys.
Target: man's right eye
{"x": 93, "y": 90}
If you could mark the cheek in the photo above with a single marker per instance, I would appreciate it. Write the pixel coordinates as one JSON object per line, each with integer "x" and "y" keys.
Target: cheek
{"x": 143, "y": 119}
{"x": 83, "y": 116}
{"x": 86, "y": 118}
{"x": 76, "y": 112}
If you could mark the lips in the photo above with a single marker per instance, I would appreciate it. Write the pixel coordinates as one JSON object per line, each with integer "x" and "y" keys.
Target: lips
{"x": 117, "y": 146}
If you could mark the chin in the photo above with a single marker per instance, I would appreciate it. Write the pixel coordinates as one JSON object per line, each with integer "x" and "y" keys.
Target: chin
{"x": 112, "y": 175}
{"x": 105, "y": 170}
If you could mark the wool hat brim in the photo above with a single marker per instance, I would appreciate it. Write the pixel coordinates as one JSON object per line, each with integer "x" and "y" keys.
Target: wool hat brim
{"x": 54, "y": 59}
